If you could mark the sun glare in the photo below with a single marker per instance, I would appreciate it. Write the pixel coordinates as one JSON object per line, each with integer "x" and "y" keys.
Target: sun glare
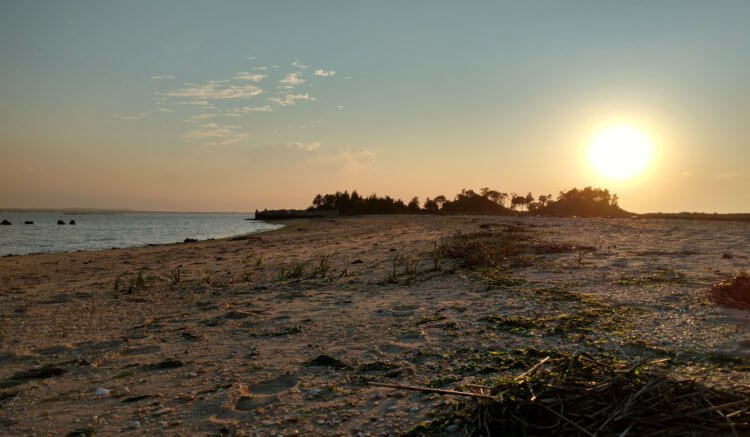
{"x": 620, "y": 152}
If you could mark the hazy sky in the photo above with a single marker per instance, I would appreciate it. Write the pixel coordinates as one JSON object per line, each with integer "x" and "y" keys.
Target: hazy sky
{"x": 234, "y": 106}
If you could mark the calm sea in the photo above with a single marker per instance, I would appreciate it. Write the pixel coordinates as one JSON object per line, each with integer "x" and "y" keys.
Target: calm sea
{"x": 105, "y": 231}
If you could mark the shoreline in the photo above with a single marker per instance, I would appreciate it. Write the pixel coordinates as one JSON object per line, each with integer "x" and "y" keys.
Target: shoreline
{"x": 240, "y": 334}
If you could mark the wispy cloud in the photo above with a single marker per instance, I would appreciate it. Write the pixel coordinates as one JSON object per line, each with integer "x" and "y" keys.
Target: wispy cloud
{"x": 298, "y": 65}
{"x": 248, "y": 109}
{"x": 290, "y": 99}
{"x": 214, "y": 134}
{"x": 349, "y": 160}
{"x": 260, "y": 68}
{"x": 137, "y": 116}
{"x": 194, "y": 102}
{"x": 304, "y": 146}
{"x": 165, "y": 110}
{"x": 200, "y": 118}
{"x": 217, "y": 90}
{"x": 324, "y": 73}
{"x": 162, "y": 77}
{"x": 292, "y": 79}
{"x": 254, "y": 77}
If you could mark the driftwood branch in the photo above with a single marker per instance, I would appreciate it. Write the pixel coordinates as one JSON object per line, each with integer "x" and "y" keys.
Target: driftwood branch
{"x": 430, "y": 390}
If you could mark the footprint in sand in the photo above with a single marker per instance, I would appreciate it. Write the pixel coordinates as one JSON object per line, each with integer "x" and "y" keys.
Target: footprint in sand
{"x": 275, "y": 385}
{"x": 250, "y": 403}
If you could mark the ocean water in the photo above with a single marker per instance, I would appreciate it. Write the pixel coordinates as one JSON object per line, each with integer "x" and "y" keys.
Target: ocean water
{"x": 110, "y": 230}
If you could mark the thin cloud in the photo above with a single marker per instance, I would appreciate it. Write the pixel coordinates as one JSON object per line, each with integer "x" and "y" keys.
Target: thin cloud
{"x": 292, "y": 79}
{"x": 304, "y": 146}
{"x": 216, "y": 90}
{"x": 324, "y": 73}
{"x": 260, "y": 68}
{"x": 200, "y": 118}
{"x": 248, "y": 109}
{"x": 162, "y": 77}
{"x": 254, "y": 77}
{"x": 214, "y": 134}
{"x": 290, "y": 99}
{"x": 300, "y": 66}
{"x": 165, "y": 110}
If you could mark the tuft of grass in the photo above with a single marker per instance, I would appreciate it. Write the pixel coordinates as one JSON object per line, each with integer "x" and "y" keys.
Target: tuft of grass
{"x": 437, "y": 255}
{"x": 298, "y": 270}
{"x": 281, "y": 272}
{"x": 139, "y": 282}
{"x": 208, "y": 277}
{"x": 117, "y": 282}
{"x": 322, "y": 269}
{"x": 175, "y": 276}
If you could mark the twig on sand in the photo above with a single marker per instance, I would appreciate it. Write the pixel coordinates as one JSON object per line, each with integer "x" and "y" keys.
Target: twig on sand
{"x": 533, "y": 369}
{"x": 431, "y": 390}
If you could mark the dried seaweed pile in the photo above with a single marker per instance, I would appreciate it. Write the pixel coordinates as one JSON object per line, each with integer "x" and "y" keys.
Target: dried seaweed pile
{"x": 734, "y": 292}
{"x": 578, "y": 395}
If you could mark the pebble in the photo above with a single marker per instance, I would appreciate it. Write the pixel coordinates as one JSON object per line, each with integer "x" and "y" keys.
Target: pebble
{"x": 134, "y": 424}
{"x": 391, "y": 408}
{"x": 413, "y": 409}
{"x": 453, "y": 428}
{"x": 101, "y": 391}
{"x": 397, "y": 394}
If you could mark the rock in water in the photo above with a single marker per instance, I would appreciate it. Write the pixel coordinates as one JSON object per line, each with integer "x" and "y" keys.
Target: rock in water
{"x": 5, "y": 223}
{"x": 72, "y": 222}
{"x": 60, "y": 222}
{"x": 28, "y": 222}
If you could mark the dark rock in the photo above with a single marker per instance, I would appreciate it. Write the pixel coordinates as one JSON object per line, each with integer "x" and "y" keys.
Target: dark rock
{"x": 28, "y": 222}
{"x": 357, "y": 261}
{"x": 190, "y": 240}
{"x": 166, "y": 364}
{"x": 5, "y": 223}
{"x": 727, "y": 256}
{"x": 60, "y": 222}
{"x": 327, "y": 361}
{"x": 86, "y": 432}
{"x": 72, "y": 222}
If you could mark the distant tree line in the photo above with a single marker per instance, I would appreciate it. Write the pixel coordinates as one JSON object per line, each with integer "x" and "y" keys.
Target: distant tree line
{"x": 586, "y": 202}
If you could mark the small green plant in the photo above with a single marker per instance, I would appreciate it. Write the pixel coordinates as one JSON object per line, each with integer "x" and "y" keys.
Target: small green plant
{"x": 437, "y": 255}
{"x": 322, "y": 269}
{"x": 259, "y": 260}
{"x": 393, "y": 276}
{"x": 140, "y": 280}
{"x": 118, "y": 281}
{"x": 581, "y": 254}
{"x": 298, "y": 270}
{"x": 208, "y": 277}
{"x": 410, "y": 265}
{"x": 246, "y": 275}
{"x": 281, "y": 272}
{"x": 175, "y": 276}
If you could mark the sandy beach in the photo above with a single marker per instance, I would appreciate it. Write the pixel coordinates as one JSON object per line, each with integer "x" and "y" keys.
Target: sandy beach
{"x": 276, "y": 333}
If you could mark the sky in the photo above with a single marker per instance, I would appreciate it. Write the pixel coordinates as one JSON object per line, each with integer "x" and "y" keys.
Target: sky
{"x": 237, "y": 106}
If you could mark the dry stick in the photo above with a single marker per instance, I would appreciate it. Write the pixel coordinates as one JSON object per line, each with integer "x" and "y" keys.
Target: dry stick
{"x": 533, "y": 369}
{"x": 730, "y": 404}
{"x": 431, "y": 390}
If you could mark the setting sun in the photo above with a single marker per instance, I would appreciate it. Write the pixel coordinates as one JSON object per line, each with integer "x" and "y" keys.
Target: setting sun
{"x": 620, "y": 152}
